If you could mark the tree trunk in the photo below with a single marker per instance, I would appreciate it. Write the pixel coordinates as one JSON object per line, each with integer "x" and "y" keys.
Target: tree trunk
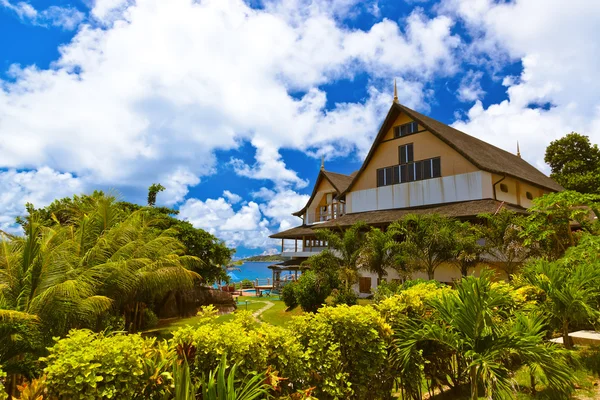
{"x": 532, "y": 382}
{"x": 430, "y": 274}
{"x": 566, "y": 338}
{"x": 474, "y": 387}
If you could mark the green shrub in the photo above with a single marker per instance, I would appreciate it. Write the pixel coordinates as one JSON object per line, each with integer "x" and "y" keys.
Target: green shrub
{"x": 288, "y": 295}
{"x": 311, "y": 291}
{"x": 346, "y": 352}
{"x": 85, "y": 365}
{"x": 255, "y": 348}
{"x": 3, "y": 394}
{"x": 343, "y": 296}
{"x": 150, "y": 319}
{"x": 386, "y": 289}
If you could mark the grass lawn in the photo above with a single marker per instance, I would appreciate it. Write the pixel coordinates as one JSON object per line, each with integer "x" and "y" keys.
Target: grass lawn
{"x": 276, "y": 315}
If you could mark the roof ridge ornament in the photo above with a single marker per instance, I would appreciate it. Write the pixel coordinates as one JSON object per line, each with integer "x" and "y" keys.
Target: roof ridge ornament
{"x": 518, "y": 150}
{"x": 323, "y": 163}
{"x": 395, "y": 92}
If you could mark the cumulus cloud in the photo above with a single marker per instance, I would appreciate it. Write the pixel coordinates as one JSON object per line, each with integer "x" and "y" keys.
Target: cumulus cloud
{"x": 470, "y": 87}
{"x": 39, "y": 187}
{"x": 232, "y": 197}
{"x": 556, "y": 92}
{"x": 64, "y": 17}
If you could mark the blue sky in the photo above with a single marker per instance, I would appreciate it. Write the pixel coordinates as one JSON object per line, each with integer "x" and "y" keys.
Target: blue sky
{"x": 231, "y": 104}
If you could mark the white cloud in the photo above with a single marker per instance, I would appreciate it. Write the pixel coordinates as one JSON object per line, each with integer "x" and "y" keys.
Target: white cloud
{"x": 64, "y": 17}
{"x": 470, "y": 87}
{"x": 176, "y": 185}
{"x": 558, "y": 77}
{"x": 38, "y": 187}
{"x": 232, "y": 197}
{"x": 176, "y": 80}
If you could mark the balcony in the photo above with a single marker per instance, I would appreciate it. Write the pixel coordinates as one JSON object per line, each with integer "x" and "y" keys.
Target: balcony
{"x": 302, "y": 247}
{"x": 326, "y": 213}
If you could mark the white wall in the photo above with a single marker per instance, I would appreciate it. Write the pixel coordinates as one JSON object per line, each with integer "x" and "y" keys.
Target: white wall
{"x": 463, "y": 187}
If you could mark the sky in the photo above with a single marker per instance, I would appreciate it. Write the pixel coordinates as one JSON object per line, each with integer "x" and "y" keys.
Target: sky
{"x": 231, "y": 104}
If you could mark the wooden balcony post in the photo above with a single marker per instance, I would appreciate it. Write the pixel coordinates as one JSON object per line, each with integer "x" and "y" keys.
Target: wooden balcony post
{"x": 296, "y": 245}
{"x": 282, "y": 245}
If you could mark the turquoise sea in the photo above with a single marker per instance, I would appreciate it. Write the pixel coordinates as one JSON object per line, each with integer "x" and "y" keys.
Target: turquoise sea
{"x": 252, "y": 271}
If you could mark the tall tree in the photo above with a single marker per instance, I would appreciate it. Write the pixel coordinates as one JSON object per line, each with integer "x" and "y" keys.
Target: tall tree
{"x": 505, "y": 244}
{"x": 575, "y": 163}
{"x": 428, "y": 240}
{"x": 345, "y": 246}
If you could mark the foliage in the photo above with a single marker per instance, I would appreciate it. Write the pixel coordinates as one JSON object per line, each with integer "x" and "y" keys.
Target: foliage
{"x": 410, "y": 303}
{"x": 347, "y": 246}
{"x": 221, "y": 384}
{"x": 288, "y": 295}
{"x": 153, "y": 190}
{"x": 3, "y": 394}
{"x": 569, "y": 290}
{"x": 468, "y": 249}
{"x": 85, "y": 365}
{"x": 251, "y": 347}
{"x": 505, "y": 242}
{"x": 381, "y": 252}
{"x": 346, "y": 352}
{"x": 342, "y": 296}
{"x": 549, "y": 223}
{"x": 472, "y": 331}
{"x": 575, "y": 163}
{"x": 428, "y": 240}
{"x": 311, "y": 290}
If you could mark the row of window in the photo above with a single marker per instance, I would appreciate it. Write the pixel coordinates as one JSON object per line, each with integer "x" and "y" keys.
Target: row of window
{"x": 406, "y": 129}
{"x": 410, "y": 172}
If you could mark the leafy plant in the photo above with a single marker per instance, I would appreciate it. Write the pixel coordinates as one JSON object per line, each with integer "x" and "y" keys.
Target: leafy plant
{"x": 288, "y": 295}
{"x": 221, "y": 384}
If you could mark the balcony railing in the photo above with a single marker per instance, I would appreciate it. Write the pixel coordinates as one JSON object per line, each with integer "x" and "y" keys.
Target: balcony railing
{"x": 326, "y": 213}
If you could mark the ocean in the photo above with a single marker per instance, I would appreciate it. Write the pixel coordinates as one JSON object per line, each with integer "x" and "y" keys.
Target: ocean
{"x": 252, "y": 271}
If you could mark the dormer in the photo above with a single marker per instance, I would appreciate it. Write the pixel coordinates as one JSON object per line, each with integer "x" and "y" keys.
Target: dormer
{"x": 326, "y": 202}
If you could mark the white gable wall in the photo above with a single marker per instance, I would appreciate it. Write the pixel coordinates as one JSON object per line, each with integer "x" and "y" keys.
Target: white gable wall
{"x": 448, "y": 189}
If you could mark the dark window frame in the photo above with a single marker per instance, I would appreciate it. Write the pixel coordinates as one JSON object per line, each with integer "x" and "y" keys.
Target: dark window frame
{"x": 529, "y": 195}
{"x": 504, "y": 187}
{"x": 410, "y": 128}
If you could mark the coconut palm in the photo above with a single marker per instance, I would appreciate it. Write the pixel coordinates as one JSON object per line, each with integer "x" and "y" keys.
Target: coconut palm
{"x": 345, "y": 247}
{"x": 476, "y": 331}
{"x": 428, "y": 240}
{"x": 382, "y": 252}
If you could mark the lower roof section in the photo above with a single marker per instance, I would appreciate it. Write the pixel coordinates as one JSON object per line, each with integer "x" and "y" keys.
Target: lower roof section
{"x": 463, "y": 210}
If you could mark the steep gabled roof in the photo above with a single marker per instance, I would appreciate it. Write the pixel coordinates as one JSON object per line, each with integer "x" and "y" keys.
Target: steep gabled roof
{"x": 339, "y": 182}
{"x": 481, "y": 154}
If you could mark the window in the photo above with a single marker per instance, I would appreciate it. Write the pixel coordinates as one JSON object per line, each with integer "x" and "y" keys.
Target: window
{"x": 385, "y": 176}
{"x": 405, "y": 154}
{"x": 364, "y": 284}
{"x": 406, "y": 129}
{"x": 529, "y": 195}
{"x": 504, "y": 188}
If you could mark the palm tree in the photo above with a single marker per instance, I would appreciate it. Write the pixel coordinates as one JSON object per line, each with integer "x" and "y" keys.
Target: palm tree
{"x": 381, "y": 252}
{"x": 570, "y": 290}
{"x": 477, "y": 332}
{"x": 429, "y": 240}
{"x": 345, "y": 247}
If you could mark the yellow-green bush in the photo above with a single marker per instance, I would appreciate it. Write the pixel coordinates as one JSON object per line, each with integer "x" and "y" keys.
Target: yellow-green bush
{"x": 85, "y": 365}
{"x": 410, "y": 302}
{"x": 3, "y": 394}
{"x": 346, "y": 350}
{"x": 254, "y": 347}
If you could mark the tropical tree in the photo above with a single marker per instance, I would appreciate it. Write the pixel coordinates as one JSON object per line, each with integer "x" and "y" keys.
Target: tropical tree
{"x": 428, "y": 240}
{"x": 569, "y": 287}
{"x": 345, "y": 246}
{"x": 381, "y": 252}
{"x": 468, "y": 248}
{"x": 553, "y": 217}
{"x": 472, "y": 328}
{"x": 575, "y": 163}
{"x": 506, "y": 245}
